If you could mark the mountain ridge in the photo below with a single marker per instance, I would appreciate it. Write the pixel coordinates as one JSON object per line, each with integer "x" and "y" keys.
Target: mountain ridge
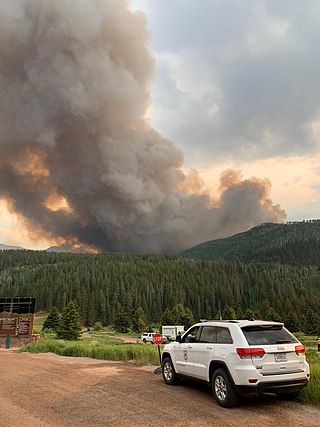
{"x": 295, "y": 242}
{"x": 4, "y": 247}
{"x": 66, "y": 249}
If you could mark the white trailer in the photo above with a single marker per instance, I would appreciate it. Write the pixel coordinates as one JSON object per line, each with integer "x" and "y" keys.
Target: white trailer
{"x": 171, "y": 332}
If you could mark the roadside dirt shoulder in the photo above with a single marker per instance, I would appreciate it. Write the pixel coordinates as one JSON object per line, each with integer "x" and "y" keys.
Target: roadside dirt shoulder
{"x": 47, "y": 390}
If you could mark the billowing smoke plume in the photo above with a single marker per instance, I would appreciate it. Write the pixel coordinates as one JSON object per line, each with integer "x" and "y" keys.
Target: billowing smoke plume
{"x": 78, "y": 162}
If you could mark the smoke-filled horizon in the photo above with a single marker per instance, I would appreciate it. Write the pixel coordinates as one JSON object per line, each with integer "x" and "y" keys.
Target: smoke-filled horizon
{"x": 78, "y": 161}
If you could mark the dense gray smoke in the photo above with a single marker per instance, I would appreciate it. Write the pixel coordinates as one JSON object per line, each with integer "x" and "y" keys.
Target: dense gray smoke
{"x": 78, "y": 161}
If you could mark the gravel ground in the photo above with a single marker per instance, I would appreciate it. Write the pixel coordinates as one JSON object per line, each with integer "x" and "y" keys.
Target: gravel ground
{"x": 49, "y": 390}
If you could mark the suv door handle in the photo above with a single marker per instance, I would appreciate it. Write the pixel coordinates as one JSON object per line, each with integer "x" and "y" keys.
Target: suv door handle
{"x": 209, "y": 348}
{"x": 189, "y": 346}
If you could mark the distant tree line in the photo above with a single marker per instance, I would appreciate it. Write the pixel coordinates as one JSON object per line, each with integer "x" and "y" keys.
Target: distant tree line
{"x": 132, "y": 290}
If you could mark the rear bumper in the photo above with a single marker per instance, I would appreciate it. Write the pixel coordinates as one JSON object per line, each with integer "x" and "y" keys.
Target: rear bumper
{"x": 272, "y": 387}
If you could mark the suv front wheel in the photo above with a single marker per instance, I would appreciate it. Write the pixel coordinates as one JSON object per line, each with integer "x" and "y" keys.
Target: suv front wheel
{"x": 168, "y": 372}
{"x": 223, "y": 389}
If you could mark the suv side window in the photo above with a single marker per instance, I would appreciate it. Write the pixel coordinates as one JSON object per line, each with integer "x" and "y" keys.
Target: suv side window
{"x": 192, "y": 335}
{"x": 223, "y": 336}
{"x": 208, "y": 334}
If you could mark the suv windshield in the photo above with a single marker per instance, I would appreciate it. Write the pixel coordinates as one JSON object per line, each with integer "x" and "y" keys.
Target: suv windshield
{"x": 268, "y": 334}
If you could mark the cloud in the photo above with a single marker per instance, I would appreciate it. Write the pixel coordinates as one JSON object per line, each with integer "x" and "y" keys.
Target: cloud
{"x": 241, "y": 77}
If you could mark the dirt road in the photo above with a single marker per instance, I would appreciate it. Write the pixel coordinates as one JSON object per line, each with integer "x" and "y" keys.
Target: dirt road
{"x": 48, "y": 390}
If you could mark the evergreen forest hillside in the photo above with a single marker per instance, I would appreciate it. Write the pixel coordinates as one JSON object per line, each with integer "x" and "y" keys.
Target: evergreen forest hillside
{"x": 296, "y": 243}
{"x": 103, "y": 284}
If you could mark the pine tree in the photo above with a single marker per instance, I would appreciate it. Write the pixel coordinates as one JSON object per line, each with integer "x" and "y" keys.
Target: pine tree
{"x": 179, "y": 315}
{"x": 292, "y": 321}
{"x": 53, "y": 320}
{"x": 311, "y": 325}
{"x": 102, "y": 311}
{"x": 265, "y": 310}
{"x": 167, "y": 318}
{"x": 70, "y": 328}
{"x": 187, "y": 318}
{"x": 121, "y": 321}
{"x": 229, "y": 313}
{"x": 248, "y": 314}
{"x": 91, "y": 310}
{"x": 139, "y": 321}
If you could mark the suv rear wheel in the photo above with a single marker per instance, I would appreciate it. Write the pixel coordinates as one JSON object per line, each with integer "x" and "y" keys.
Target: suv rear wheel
{"x": 223, "y": 389}
{"x": 168, "y": 372}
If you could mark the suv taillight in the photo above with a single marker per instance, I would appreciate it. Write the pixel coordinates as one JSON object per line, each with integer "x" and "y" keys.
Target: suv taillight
{"x": 247, "y": 353}
{"x": 300, "y": 349}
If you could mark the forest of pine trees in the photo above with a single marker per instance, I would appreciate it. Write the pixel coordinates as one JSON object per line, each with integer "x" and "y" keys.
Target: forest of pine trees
{"x": 110, "y": 287}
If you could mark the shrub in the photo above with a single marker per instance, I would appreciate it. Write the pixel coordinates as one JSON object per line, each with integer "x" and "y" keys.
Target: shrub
{"x": 98, "y": 326}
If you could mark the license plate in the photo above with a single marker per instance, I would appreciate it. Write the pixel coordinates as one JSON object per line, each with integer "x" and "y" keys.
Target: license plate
{"x": 280, "y": 357}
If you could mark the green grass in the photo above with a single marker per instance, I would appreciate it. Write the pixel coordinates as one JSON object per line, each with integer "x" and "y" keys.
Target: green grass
{"x": 307, "y": 340}
{"x": 103, "y": 344}
{"x": 38, "y": 322}
{"x": 97, "y": 347}
{"x": 311, "y": 393}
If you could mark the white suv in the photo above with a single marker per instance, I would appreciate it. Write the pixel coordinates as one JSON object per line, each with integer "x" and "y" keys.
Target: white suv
{"x": 238, "y": 357}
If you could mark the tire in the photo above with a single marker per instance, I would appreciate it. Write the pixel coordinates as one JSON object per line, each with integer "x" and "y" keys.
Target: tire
{"x": 223, "y": 389}
{"x": 168, "y": 372}
{"x": 144, "y": 340}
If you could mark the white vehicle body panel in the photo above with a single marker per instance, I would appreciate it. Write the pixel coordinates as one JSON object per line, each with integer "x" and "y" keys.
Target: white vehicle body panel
{"x": 279, "y": 365}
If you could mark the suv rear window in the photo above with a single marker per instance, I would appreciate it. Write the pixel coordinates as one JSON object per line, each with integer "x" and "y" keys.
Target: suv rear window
{"x": 268, "y": 334}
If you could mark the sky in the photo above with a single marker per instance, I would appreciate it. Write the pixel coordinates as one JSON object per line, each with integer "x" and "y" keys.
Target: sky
{"x": 236, "y": 86}
{"x": 232, "y": 84}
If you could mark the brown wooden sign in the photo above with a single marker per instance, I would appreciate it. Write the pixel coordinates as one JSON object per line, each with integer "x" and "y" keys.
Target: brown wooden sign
{"x": 25, "y": 325}
{"x": 16, "y": 324}
{"x": 8, "y": 325}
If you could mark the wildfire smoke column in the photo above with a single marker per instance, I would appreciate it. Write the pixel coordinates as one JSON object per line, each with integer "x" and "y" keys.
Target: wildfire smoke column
{"x": 78, "y": 161}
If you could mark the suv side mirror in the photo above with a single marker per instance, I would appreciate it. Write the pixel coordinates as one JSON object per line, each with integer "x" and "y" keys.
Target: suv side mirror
{"x": 178, "y": 338}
